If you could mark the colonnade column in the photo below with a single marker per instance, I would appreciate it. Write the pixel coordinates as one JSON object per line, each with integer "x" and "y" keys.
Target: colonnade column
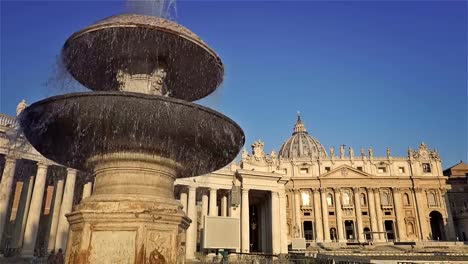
{"x": 87, "y": 188}
{"x": 191, "y": 241}
{"x": 204, "y": 207}
{"x": 245, "y": 247}
{"x": 400, "y": 218}
{"x": 357, "y": 208}
{"x": 5, "y": 190}
{"x": 283, "y": 223}
{"x": 224, "y": 205}
{"x": 183, "y": 201}
{"x": 34, "y": 214}
{"x": 275, "y": 223}
{"x": 339, "y": 219}
{"x": 373, "y": 214}
{"x": 318, "y": 216}
{"x": 378, "y": 212}
{"x": 213, "y": 201}
{"x": 297, "y": 216}
{"x": 326, "y": 231}
{"x": 55, "y": 214}
{"x": 65, "y": 208}
{"x": 421, "y": 205}
{"x": 24, "y": 217}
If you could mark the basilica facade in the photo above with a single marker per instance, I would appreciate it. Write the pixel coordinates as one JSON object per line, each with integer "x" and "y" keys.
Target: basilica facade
{"x": 302, "y": 193}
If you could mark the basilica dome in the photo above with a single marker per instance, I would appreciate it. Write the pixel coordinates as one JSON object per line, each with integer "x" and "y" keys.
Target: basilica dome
{"x": 301, "y": 144}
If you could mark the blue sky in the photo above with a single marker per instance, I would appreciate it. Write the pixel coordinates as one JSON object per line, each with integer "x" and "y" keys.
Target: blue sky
{"x": 362, "y": 73}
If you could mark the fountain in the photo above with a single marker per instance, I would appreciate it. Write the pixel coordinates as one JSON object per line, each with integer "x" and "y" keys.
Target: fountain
{"x": 135, "y": 132}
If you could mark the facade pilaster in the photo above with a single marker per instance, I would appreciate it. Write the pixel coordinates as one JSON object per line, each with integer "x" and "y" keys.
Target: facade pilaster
{"x": 378, "y": 212}
{"x": 34, "y": 214}
{"x": 400, "y": 217}
{"x": 297, "y": 215}
{"x": 423, "y": 215}
{"x": 339, "y": 219}
{"x": 373, "y": 214}
{"x": 191, "y": 240}
{"x": 326, "y": 230}
{"x": 6, "y": 186}
{"x": 55, "y": 214}
{"x": 65, "y": 208}
{"x": 318, "y": 216}
{"x": 357, "y": 208}
{"x": 450, "y": 227}
{"x": 213, "y": 201}
{"x": 245, "y": 243}
{"x": 275, "y": 223}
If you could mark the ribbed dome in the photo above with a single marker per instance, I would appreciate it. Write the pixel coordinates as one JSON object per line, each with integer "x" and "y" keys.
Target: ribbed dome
{"x": 301, "y": 144}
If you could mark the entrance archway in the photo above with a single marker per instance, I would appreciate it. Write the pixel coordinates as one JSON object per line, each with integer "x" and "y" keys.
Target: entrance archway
{"x": 308, "y": 231}
{"x": 389, "y": 230}
{"x": 367, "y": 233}
{"x": 437, "y": 225}
{"x": 333, "y": 234}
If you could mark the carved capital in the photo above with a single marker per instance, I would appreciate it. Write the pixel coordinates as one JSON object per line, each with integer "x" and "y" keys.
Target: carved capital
{"x": 323, "y": 189}
{"x": 355, "y": 189}
{"x": 418, "y": 189}
{"x": 336, "y": 189}
{"x": 396, "y": 189}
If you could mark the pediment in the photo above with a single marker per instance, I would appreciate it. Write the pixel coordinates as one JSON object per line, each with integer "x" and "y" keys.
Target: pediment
{"x": 345, "y": 171}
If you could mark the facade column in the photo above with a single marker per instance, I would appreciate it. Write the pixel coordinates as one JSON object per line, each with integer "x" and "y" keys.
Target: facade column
{"x": 183, "y": 201}
{"x": 65, "y": 208}
{"x": 25, "y": 211}
{"x": 339, "y": 219}
{"x": 55, "y": 214}
{"x": 283, "y": 223}
{"x": 275, "y": 223}
{"x": 34, "y": 214}
{"x": 373, "y": 214}
{"x": 204, "y": 207}
{"x": 297, "y": 215}
{"x": 213, "y": 202}
{"x": 318, "y": 216}
{"x": 87, "y": 188}
{"x": 378, "y": 212}
{"x": 357, "y": 208}
{"x": 191, "y": 241}
{"x": 423, "y": 215}
{"x": 326, "y": 230}
{"x": 400, "y": 217}
{"x": 5, "y": 190}
{"x": 224, "y": 205}
{"x": 245, "y": 245}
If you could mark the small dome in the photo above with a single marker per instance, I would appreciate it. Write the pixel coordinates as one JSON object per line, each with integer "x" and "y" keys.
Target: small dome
{"x": 301, "y": 144}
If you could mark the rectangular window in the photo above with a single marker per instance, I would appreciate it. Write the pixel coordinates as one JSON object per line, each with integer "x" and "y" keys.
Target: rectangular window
{"x": 426, "y": 167}
{"x": 306, "y": 214}
{"x": 401, "y": 169}
{"x": 388, "y": 213}
{"x": 327, "y": 169}
{"x": 331, "y": 213}
{"x": 382, "y": 169}
{"x": 304, "y": 171}
{"x": 359, "y": 168}
{"x": 364, "y": 213}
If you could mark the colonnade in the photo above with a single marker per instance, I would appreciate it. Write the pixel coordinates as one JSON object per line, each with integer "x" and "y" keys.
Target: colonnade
{"x": 209, "y": 207}
{"x": 326, "y": 213}
{"x": 26, "y": 227}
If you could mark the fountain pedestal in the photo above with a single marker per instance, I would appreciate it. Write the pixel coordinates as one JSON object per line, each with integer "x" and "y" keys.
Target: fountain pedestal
{"x": 132, "y": 216}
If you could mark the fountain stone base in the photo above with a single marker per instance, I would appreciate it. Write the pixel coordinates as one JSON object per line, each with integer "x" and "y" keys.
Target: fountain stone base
{"x": 132, "y": 216}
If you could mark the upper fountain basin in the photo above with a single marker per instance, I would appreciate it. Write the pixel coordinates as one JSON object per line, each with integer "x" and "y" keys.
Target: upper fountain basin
{"x": 136, "y": 45}
{"x": 70, "y": 129}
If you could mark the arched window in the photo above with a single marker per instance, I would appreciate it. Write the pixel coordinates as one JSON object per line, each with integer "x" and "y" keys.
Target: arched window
{"x": 406, "y": 199}
{"x": 385, "y": 199}
{"x": 410, "y": 228}
{"x": 330, "y": 199}
{"x": 431, "y": 199}
{"x": 363, "y": 199}
{"x": 345, "y": 198}
{"x": 332, "y": 233}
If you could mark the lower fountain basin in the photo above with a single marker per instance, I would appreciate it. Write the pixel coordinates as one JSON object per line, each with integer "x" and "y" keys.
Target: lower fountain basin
{"x": 70, "y": 129}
